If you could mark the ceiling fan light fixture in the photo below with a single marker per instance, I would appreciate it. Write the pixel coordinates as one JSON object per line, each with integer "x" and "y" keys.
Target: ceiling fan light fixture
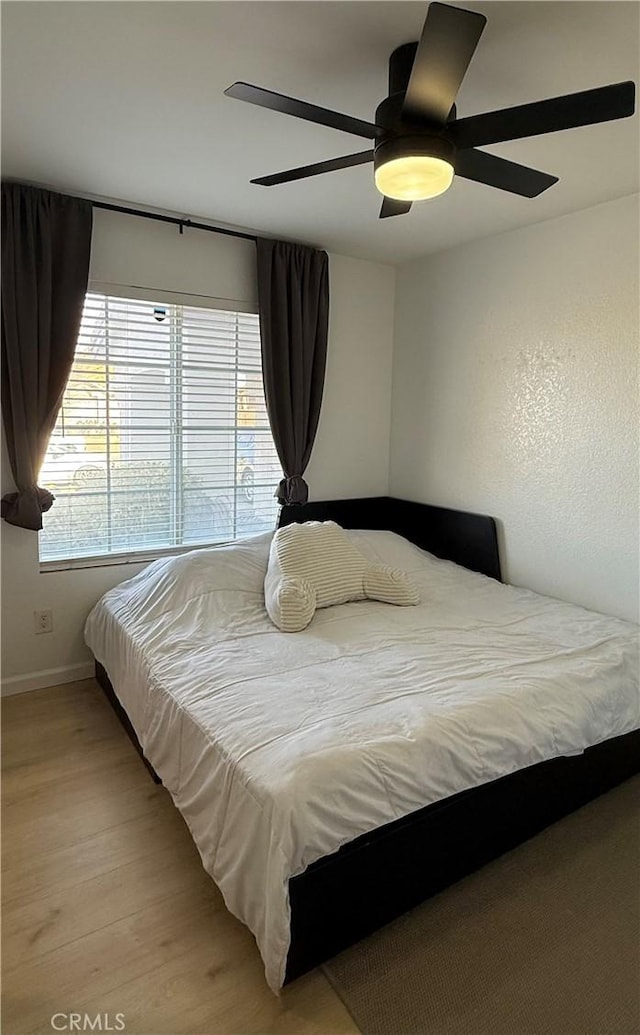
{"x": 414, "y": 177}
{"x": 413, "y": 169}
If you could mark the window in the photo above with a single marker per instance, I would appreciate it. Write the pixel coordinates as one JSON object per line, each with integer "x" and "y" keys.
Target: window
{"x": 162, "y": 441}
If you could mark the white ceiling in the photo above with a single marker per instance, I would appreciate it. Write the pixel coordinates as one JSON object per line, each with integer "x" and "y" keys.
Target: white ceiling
{"x": 125, "y": 100}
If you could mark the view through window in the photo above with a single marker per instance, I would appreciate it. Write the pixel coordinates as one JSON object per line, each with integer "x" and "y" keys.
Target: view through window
{"x": 162, "y": 439}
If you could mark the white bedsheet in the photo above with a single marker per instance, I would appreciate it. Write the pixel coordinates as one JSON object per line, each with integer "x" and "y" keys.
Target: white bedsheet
{"x": 278, "y": 748}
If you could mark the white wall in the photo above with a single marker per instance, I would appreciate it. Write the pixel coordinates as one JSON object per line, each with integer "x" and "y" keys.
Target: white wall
{"x": 515, "y": 393}
{"x": 350, "y": 457}
{"x": 351, "y": 451}
{"x": 130, "y": 252}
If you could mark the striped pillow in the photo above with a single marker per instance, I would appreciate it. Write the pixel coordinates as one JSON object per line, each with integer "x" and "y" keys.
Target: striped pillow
{"x": 390, "y": 585}
{"x": 315, "y": 565}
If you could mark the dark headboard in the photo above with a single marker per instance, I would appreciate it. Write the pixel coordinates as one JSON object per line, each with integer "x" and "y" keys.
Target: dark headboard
{"x": 454, "y": 535}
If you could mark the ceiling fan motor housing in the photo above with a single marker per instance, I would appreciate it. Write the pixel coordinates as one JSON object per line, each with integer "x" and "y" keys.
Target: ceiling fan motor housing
{"x": 401, "y": 137}
{"x": 388, "y": 148}
{"x": 400, "y": 67}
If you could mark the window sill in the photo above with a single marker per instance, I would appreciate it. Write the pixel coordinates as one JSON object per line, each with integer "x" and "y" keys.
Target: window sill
{"x": 116, "y": 560}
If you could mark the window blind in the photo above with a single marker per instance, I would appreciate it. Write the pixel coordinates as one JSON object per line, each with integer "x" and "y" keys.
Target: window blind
{"x": 162, "y": 441}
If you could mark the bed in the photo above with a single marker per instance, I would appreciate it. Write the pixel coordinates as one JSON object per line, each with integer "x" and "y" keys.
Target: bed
{"x": 334, "y": 778}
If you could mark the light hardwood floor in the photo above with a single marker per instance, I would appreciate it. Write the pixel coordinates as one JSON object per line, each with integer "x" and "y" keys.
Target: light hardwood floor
{"x": 106, "y": 907}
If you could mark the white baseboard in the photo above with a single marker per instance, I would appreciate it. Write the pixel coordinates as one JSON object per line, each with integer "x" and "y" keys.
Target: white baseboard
{"x": 47, "y": 677}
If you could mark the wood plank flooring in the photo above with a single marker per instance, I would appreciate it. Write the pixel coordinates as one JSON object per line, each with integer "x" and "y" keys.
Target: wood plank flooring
{"x": 106, "y": 907}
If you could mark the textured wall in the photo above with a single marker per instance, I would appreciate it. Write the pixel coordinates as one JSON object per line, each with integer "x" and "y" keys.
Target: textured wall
{"x": 515, "y": 393}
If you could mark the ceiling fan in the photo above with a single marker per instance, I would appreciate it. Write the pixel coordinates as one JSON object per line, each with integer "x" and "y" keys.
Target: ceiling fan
{"x": 420, "y": 143}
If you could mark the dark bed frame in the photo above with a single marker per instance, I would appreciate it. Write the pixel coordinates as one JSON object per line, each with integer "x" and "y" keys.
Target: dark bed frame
{"x": 343, "y": 897}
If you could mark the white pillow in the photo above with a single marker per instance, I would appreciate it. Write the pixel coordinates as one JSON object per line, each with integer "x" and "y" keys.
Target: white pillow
{"x": 315, "y": 565}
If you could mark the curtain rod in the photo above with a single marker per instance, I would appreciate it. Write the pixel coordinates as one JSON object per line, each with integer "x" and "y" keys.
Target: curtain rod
{"x": 176, "y": 220}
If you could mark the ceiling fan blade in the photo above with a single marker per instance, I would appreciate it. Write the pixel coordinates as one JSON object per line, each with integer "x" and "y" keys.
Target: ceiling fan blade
{"x": 498, "y": 172}
{"x": 301, "y": 109}
{"x": 301, "y": 173}
{"x": 391, "y": 207}
{"x": 529, "y": 120}
{"x": 449, "y": 39}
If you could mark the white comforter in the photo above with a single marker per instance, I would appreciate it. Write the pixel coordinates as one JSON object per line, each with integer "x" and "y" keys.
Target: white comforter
{"x": 278, "y": 748}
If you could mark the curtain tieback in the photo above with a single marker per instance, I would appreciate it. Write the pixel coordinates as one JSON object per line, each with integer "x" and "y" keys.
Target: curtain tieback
{"x": 25, "y": 508}
{"x": 292, "y": 490}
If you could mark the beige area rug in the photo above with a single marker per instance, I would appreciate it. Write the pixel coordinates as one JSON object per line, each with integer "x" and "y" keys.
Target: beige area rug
{"x": 543, "y": 941}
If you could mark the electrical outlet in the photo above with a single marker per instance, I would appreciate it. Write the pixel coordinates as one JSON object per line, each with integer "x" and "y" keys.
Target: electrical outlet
{"x": 43, "y": 621}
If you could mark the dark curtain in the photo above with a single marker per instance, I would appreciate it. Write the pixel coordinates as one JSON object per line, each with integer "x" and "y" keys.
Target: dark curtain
{"x": 293, "y": 299}
{"x": 46, "y": 241}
